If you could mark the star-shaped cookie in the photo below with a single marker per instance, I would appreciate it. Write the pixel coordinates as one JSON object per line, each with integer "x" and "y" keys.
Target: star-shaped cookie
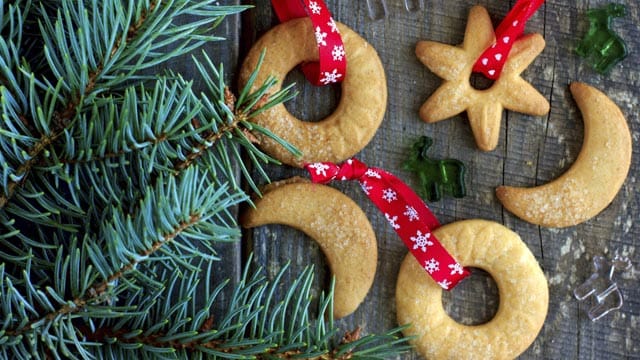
{"x": 454, "y": 64}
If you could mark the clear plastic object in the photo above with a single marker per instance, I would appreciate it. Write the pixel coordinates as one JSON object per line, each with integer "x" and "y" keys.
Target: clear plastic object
{"x": 378, "y": 8}
{"x": 413, "y": 5}
{"x": 602, "y": 287}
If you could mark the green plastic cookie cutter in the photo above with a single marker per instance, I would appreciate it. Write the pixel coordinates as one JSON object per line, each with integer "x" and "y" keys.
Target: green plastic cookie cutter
{"x": 601, "y": 46}
{"x": 437, "y": 177}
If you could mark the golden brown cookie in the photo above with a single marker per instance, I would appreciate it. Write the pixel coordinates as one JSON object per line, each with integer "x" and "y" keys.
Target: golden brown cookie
{"x": 522, "y": 287}
{"x": 594, "y": 179}
{"x": 454, "y": 64}
{"x": 336, "y": 223}
{"x": 358, "y": 115}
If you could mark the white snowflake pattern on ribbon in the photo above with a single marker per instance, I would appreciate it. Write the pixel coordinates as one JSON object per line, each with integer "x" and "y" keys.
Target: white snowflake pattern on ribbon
{"x": 320, "y": 168}
{"x": 456, "y": 268}
{"x": 330, "y": 77}
{"x": 365, "y": 187}
{"x": 338, "y": 52}
{"x": 421, "y": 241}
{"x": 372, "y": 173}
{"x": 411, "y": 213}
{"x": 432, "y": 265}
{"x": 321, "y": 36}
{"x": 389, "y": 195}
{"x": 392, "y": 221}
{"x": 334, "y": 27}
{"x": 444, "y": 284}
{"x": 315, "y": 7}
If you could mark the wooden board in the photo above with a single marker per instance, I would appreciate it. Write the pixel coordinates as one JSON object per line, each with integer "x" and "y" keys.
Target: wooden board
{"x": 532, "y": 150}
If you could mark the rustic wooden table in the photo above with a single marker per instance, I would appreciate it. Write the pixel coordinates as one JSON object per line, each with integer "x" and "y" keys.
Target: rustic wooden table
{"x": 532, "y": 150}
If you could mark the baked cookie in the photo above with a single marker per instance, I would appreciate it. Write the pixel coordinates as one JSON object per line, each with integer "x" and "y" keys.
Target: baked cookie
{"x": 336, "y": 223}
{"x": 454, "y": 64}
{"x": 522, "y": 288}
{"x": 594, "y": 179}
{"x": 358, "y": 115}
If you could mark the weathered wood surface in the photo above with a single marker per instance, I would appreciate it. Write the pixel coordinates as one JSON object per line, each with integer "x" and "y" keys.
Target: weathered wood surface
{"x": 531, "y": 151}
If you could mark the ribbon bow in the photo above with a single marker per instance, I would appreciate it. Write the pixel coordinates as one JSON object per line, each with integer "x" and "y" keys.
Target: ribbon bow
{"x": 404, "y": 210}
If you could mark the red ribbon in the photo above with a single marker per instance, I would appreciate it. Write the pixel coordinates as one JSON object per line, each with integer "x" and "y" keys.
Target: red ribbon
{"x": 332, "y": 64}
{"x": 406, "y": 212}
{"x": 492, "y": 60}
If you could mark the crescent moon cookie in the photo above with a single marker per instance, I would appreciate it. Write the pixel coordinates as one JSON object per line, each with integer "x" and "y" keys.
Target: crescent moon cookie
{"x": 594, "y": 179}
{"x": 454, "y": 64}
{"x": 335, "y": 222}
{"x": 358, "y": 115}
{"x": 522, "y": 287}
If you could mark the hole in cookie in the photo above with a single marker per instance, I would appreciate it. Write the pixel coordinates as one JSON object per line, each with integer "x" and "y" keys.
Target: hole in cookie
{"x": 480, "y": 82}
{"x": 474, "y": 301}
{"x": 313, "y": 103}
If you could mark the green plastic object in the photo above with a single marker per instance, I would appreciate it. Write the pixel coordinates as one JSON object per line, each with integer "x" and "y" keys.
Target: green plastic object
{"x": 437, "y": 177}
{"x": 601, "y": 46}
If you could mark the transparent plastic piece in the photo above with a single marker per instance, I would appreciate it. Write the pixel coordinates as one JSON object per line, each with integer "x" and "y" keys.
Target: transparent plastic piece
{"x": 601, "y": 287}
{"x": 378, "y": 9}
{"x": 413, "y": 5}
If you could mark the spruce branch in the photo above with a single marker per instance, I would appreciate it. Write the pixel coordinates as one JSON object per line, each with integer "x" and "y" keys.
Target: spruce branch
{"x": 116, "y": 184}
{"x": 224, "y": 116}
{"x": 88, "y": 58}
{"x": 174, "y": 321}
{"x": 130, "y": 243}
{"x": 251, "y": 331}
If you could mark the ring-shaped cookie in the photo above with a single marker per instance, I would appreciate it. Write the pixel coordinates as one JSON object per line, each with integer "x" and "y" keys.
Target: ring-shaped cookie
{"x": 522, "y": 288}
{"x": 358, "y": 115}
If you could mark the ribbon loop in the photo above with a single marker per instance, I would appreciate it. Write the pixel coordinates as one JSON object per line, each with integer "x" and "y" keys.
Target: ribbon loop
{"x": 492, "y": 60}
{"x": 404, "y": 210}
{"x": 332, "y": 64}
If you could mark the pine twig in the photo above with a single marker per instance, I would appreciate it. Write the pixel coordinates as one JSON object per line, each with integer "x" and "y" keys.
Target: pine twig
{"x": 62, "y": 118}
{"x": 97, "y": 291}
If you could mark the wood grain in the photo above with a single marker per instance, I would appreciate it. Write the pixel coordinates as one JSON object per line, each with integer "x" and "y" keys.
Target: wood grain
{"x": 531, "y": 151}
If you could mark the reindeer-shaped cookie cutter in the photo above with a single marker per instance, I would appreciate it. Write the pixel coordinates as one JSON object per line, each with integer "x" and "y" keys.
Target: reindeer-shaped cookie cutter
{"x": 602, "y": 287}
{"x": 437, "y": 177}
{"x": 601, "y": 45}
